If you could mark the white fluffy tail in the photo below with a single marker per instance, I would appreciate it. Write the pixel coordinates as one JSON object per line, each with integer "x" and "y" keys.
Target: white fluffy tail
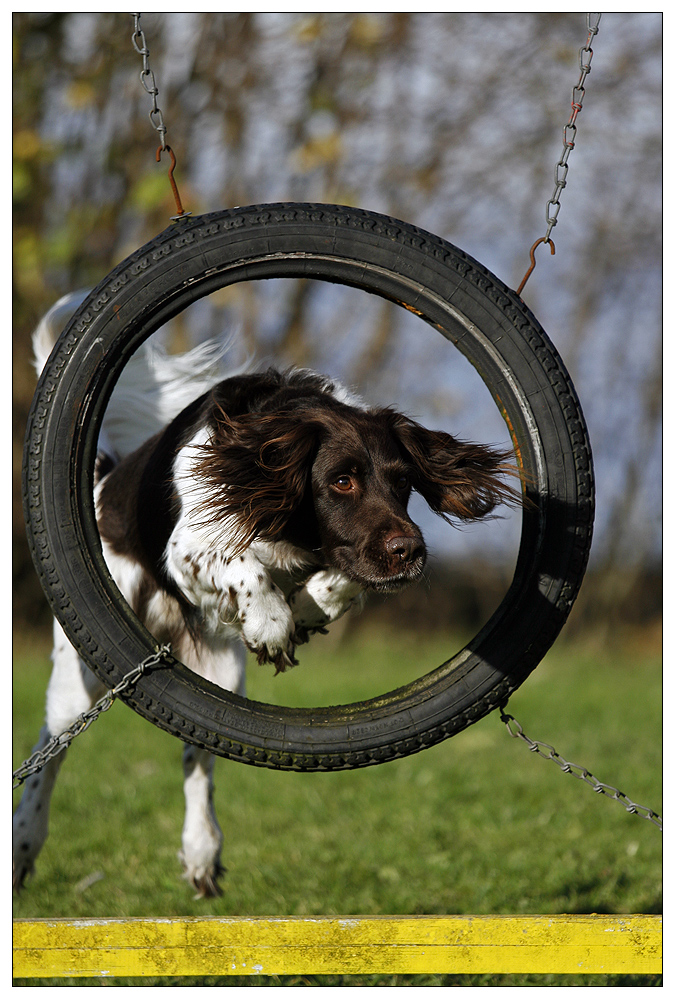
{"x": 52, "y": 324}
{"x": 154, "y": 386}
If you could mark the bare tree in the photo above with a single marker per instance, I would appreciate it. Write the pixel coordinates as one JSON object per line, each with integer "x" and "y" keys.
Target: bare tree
{"x": 452, "y": 121}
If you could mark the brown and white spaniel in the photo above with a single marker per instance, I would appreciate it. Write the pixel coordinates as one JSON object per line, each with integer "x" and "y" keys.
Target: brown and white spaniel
{"x": 247, "y": 513}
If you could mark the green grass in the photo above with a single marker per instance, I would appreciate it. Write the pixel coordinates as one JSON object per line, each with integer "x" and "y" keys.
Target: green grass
{"x": 476, "y": 825}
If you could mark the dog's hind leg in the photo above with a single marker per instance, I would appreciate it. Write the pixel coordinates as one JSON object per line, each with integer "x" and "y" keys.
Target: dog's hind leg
{"x": 223, "y": 663}
{"x": 31, "y": 819}
{"x": 202, "y": 838}
{"x": 73, "y": 689}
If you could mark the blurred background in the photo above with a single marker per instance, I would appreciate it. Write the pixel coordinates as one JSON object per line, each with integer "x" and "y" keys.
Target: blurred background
{"x": 450, "y": 121}
{"x": 454, "y": 123}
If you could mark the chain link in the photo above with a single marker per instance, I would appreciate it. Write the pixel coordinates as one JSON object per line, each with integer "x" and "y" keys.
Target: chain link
{"x": 570, "y": 128}
{"x": 148, "y": 79}
{"x": 59, "y": 743}
{"x": 569, "y": 133}
{"x": 515, "y": 729}
{"x": 156, "y": 117}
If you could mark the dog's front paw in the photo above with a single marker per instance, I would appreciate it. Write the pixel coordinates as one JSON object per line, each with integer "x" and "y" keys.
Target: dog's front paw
{"x": 322, "y": 599}
{"x": 281, "y": 660}
{"x": 268, "y": 628}
{"x": 303, "y": 633}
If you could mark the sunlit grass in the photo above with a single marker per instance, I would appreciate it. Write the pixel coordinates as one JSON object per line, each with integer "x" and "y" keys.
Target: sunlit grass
{"x": 475, "y": 825}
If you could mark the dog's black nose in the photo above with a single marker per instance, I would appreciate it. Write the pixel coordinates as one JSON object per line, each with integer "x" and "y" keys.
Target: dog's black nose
{"x": 406, "y": 548}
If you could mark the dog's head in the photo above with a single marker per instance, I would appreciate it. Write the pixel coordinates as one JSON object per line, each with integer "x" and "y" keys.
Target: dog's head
{"x": 336, "y": 480}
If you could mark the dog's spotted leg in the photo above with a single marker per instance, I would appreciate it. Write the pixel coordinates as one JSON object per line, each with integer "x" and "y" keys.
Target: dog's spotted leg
{"x": 235, "y": 594}
{"x": 73, "y": 689}
{"x": 30, "y": 823}
{"x": 202, "y": 837}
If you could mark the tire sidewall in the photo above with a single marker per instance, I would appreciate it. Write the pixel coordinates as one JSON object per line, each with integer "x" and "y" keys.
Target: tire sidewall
{"x": 486, "y": 321}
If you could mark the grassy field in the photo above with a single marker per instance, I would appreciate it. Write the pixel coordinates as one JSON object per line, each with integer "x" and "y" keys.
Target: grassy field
{"x": 477, "y": 825}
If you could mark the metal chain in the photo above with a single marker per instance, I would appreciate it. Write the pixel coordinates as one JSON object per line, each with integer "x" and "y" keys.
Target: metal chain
{"x": 156, "y": 118}
{"x": 59, "y": 743}
{"x": 148, "y": 79}
{"x": 570, "y": 129}
{"x": 515, "y": 729}
{"x": 569, "y": 134}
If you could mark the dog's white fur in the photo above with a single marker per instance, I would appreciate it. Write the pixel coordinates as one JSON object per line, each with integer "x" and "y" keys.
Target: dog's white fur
{"x": 153, "y": 388}
{"x": 232, "y": 556}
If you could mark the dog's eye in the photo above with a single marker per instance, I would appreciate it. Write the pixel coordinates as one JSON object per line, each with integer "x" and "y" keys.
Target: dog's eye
{"x": 344, "y": 483}
{"x": 402, "y": 483}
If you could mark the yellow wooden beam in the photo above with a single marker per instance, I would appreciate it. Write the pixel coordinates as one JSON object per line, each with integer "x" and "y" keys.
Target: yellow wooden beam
{"x": 218, "y": 946}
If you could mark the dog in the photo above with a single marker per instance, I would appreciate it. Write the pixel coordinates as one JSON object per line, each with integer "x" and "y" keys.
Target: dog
{"x": 246, "y": 513}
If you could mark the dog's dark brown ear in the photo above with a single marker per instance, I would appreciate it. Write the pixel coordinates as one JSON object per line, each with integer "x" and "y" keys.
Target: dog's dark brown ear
{"x": 258, "y": 467}
{"x": 458, "y": 479}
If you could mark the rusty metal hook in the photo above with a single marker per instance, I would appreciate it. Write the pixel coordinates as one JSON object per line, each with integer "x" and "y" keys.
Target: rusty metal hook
{"x": 543, "y": 239}
{"x": 179, "y": 207}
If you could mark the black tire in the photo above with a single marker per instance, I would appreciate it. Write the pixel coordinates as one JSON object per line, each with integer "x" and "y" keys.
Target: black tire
{"x": 489, "y": 324}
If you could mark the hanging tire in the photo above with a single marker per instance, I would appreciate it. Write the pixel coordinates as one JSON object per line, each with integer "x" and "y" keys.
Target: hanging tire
{"x": 476, "y": 312}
